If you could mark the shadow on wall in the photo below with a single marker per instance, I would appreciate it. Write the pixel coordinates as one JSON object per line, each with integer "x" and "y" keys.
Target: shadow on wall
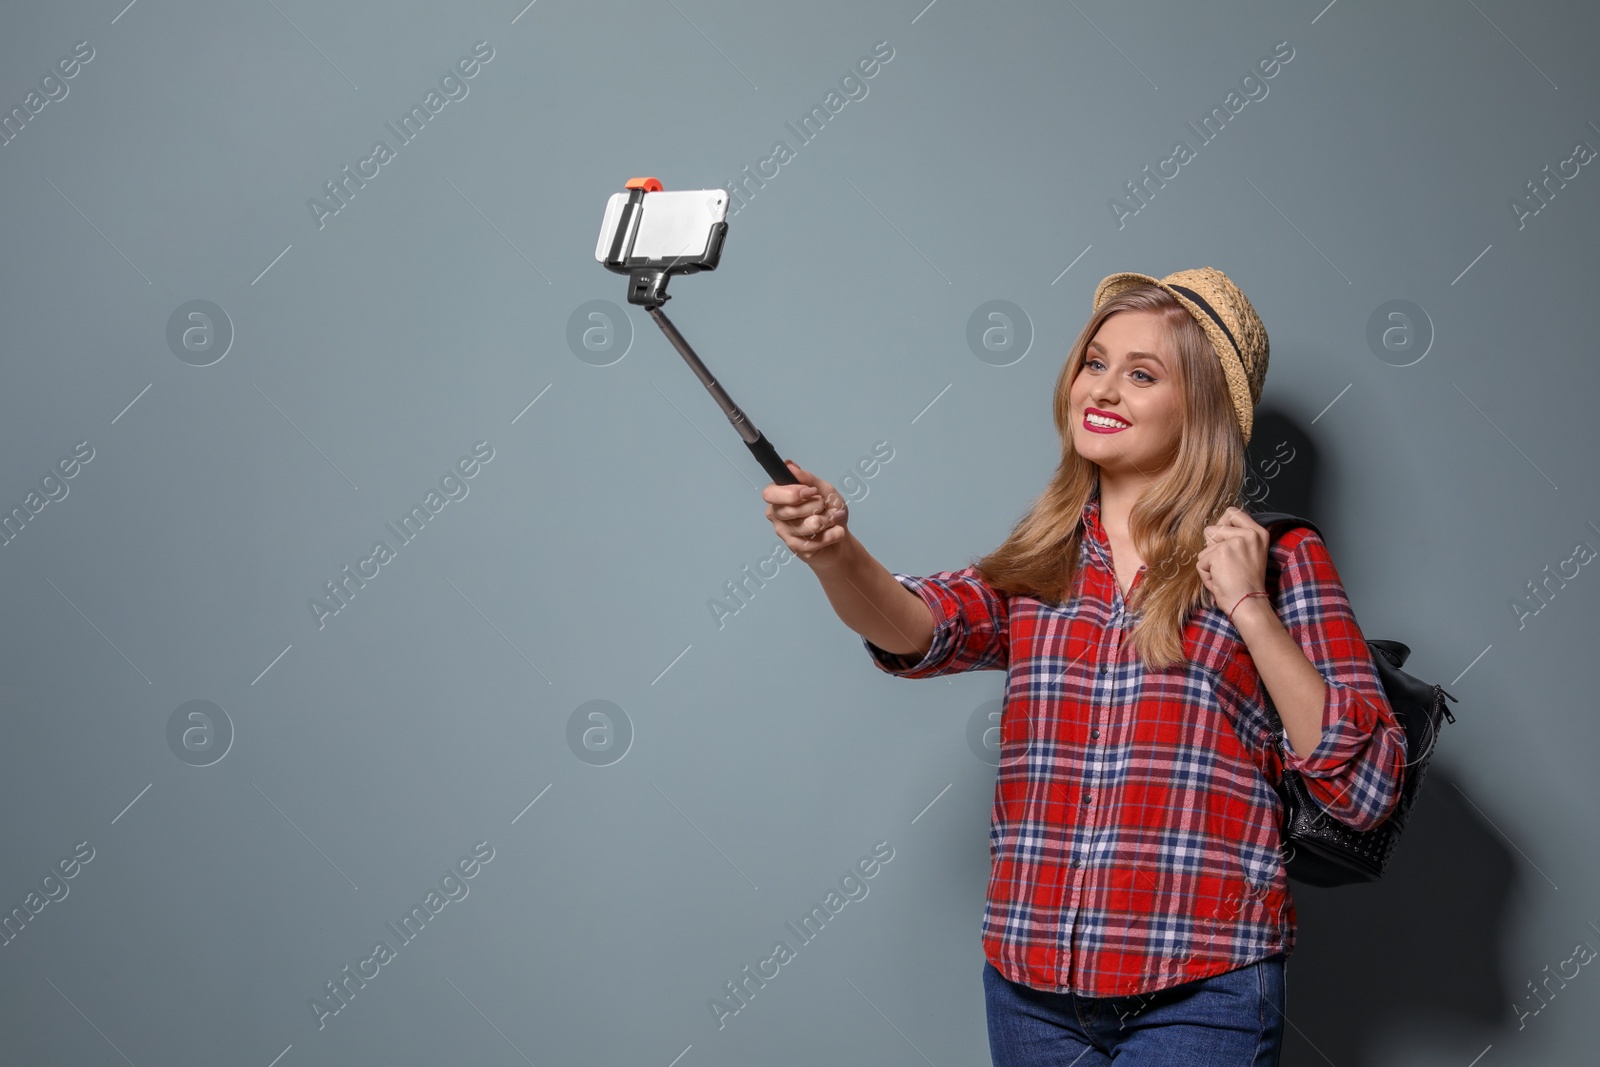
{"x": 1419, "y": 949}
{"x": 1280, "y": 467}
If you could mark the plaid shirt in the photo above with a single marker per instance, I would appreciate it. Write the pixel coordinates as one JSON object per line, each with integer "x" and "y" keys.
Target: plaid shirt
{"x": 1134, "y": 840}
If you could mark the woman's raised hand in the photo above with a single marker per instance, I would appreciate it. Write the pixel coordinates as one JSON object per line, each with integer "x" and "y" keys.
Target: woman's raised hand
{"x": 810, "y": 517}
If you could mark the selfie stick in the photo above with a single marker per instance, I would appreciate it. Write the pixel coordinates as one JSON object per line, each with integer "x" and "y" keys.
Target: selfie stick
{"x": 647, "y": 287}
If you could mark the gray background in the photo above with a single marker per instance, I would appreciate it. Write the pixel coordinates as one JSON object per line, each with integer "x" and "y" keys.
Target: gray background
{"x": 763, "y": 757}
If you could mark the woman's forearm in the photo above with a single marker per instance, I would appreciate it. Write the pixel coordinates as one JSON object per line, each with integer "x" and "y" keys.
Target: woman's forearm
{"x": 1297, "y": 688}
{"x": 871, "y": 601}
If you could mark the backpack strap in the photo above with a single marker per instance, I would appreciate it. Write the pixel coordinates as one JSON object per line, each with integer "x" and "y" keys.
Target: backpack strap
{"x": 1277, "y": 522}
{"x": 1270, "y": 519}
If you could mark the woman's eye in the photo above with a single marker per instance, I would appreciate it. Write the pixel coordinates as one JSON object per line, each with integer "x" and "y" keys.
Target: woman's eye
{"x": 1144, "y": 373}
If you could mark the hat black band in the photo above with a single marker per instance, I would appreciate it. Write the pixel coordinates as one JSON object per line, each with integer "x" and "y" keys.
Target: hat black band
{"x": 1198, "y": 299}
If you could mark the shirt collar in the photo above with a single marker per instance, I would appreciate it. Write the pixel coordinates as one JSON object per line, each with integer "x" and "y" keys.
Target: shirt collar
{"x": 1098, "y": 544}
{"x": 1094, "y": 532}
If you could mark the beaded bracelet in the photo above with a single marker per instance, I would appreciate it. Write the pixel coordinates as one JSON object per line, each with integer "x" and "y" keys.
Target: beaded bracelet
{"x": 1241, "y": 600}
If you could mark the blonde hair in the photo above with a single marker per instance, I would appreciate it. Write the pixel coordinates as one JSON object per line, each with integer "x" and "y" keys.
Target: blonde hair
{"x": 1040, "y": 556}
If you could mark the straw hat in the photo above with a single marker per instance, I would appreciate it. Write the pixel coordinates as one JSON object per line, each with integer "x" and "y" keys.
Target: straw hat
{"x": 1227, "y": 318}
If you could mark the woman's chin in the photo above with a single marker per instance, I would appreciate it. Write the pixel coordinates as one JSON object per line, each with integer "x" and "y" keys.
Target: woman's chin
{"x": 1098, "y": 446}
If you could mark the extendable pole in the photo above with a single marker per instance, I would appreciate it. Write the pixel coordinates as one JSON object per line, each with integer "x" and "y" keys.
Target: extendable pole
{"x": 753, "y": 438}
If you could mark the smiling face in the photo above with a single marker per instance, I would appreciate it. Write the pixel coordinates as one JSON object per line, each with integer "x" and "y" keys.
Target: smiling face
{"x": 1126, "y": 403}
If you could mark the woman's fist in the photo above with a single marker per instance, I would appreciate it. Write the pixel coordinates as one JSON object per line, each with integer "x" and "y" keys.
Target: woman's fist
{"x": 810, "y": 517}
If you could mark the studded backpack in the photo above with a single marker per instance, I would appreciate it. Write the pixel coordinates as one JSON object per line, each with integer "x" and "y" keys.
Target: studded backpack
{"x": 1322, "y": 850}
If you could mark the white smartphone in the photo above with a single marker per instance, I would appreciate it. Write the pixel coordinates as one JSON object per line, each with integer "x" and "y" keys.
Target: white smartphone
{"x": 681, "y": 230}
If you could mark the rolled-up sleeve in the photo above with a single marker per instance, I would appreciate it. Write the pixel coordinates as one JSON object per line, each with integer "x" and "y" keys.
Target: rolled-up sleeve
{"x": 970, "y": 627}
{"x": 1356, "y": 771}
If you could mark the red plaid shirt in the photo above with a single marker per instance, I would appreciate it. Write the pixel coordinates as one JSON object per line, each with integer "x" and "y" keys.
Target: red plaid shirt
{"x": 1134, "y": 840}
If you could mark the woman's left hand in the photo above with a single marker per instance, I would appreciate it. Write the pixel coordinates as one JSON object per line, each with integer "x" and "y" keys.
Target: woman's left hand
{"x": 1234, "y": 560}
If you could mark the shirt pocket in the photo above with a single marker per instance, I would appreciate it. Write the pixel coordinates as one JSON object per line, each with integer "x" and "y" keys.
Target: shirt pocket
{"x": 1211, "y": 643}
{"x": 1226, "y": 683}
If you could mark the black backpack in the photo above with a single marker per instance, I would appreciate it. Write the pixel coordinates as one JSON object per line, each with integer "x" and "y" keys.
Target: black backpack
{"x": 1322, "y": 850}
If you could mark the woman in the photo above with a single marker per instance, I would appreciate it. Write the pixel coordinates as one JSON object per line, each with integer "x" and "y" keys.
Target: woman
{"x": 1154, "y": 641}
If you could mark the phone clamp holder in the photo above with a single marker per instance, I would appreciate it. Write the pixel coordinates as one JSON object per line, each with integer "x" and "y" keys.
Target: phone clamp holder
{"x": 647, "y": 288}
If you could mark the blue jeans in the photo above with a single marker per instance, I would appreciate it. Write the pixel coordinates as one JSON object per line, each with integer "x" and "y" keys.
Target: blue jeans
{"x": 1234, "y": 1019}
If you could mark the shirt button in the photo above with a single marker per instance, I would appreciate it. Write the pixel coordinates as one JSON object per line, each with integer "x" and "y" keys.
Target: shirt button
{"x": 1086, "y": 797}
{"x": 1094, "y": 733}
{"x": 1104, "y": 668}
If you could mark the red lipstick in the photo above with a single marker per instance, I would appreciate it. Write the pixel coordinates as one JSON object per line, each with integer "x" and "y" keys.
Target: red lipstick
{"x": 1120, "y": 422}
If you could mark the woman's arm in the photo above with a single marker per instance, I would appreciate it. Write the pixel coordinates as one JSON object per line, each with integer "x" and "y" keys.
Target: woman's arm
{"x": 913, "y": 627}
{"x": 1352, "y": 758}
{"x": 1347, "y": 746}
{"x": 1293, "y": 682}
{"x": 868, "y": 599}
{"x": 812, "y": 518}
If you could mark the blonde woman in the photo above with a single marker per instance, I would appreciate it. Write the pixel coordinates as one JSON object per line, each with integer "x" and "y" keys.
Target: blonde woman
{"x": 1153, "y": 642}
